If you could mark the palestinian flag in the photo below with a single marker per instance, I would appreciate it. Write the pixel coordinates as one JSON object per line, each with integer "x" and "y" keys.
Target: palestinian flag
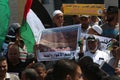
{"x": 33, "y": 23}
{"x": 4, "y": 20}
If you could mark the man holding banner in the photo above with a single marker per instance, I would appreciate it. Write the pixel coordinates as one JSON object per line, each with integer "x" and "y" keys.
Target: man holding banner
{"x": 97, "y": 55}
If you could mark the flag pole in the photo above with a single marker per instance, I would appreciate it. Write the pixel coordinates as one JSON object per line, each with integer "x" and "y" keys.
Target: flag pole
{"x": 119, "y": 23}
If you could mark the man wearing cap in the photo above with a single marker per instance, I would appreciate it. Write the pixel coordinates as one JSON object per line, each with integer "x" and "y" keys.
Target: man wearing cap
{"x": 96, "y": 30}
{"x": 58, "y": 18}
{"x": 109, "y": 28}
{"x": 92, "y": 47}
{"x": 85, "y": 23}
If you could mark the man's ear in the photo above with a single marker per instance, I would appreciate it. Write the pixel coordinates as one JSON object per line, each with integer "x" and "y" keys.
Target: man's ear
{"x": 68, "y": 77}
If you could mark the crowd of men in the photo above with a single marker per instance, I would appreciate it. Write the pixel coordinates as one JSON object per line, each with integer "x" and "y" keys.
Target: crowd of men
{"x": 16, "y": 64}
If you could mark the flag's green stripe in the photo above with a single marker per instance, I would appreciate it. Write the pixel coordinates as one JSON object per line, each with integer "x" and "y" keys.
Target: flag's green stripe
{"x": 27, "y": 36}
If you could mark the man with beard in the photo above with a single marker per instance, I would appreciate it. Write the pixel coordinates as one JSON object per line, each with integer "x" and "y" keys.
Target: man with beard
{"x": 58, "y": 18}
{"x": 111, "y": 28}
{"x": 85, "y": 23}
{"x": 92, "y": 50}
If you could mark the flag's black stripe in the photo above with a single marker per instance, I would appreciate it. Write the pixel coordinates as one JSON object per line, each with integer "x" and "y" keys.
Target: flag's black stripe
{"x": 42, "y": 13}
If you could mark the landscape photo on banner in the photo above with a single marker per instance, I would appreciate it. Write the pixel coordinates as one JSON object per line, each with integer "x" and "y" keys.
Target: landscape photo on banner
{"x": 58, "y": 43}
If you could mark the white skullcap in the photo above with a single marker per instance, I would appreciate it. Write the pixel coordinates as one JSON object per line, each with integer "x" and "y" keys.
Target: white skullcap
{"x": 97, "y": 28}
{"x": 57, "y": 12}
{"x": 87, "y": 16}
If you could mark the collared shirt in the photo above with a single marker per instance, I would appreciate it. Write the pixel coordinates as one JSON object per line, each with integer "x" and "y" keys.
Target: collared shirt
{"x": 7, "y": 77}
{"x": 11, "y": 77}
{"x": 98, "y": 56}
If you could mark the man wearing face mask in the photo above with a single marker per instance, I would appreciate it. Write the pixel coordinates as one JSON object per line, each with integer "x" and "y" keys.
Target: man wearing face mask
{"x": 92, "y": 46}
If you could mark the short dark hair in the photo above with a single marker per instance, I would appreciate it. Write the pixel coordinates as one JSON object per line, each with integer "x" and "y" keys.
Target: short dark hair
{"x": 39, "y": 64}
{"x": 2, "y": 58}
{"x": 112, "y": 9}
{"x": 91, "y": 38}
{"x": 63, "y": 68}
{"x": 30, "y": 74}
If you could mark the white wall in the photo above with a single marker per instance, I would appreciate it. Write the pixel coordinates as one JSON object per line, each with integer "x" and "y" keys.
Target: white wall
{"x": 13, "y": 11}
{"x": 110, "y": 3}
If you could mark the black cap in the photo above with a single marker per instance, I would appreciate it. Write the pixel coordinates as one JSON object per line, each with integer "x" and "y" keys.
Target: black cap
{"x": 112, "y": 9}
{"x": 91, "y": 38}
{"x": 12, "y": 30}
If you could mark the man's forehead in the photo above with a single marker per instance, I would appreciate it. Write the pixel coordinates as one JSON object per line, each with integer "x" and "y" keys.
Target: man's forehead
{"x": 92, "y": 41}
{"x": 58, "y": 15}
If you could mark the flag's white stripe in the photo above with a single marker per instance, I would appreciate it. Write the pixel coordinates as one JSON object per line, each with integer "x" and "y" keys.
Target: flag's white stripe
{"x": 35, "y": 24}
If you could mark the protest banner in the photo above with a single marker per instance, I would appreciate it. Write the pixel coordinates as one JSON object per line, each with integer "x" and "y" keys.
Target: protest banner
{"x": 104, "y": 42}
{"x": 62, "y": 43}
{"x": 83, "y": 9}
{"x": 58, "y": 43}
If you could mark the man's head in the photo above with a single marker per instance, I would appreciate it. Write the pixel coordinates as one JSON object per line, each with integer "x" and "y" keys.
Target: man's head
{"x": 12, "y": 31}
{"x": 92, "y": 43}
{"x": 13, "y": 52}
{"x": 76, "y": 19}
{"x": 67, "y": 70}
{"x": 3, "y": 67}
{"x": 84, "y": 19}
{"x": 58, "y": 18}
{"x": 112, "y": 13}
{"x": 29, "y": 74}
{"x": 112, "y": 10}
{"x": 40, "y": 69}
{"x": 115, "y": 45}
{"x": 95, "y": 29}
{"x": 94, "y": 18}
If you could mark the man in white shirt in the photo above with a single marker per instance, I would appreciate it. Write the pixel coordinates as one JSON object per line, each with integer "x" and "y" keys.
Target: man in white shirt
{"x": 3, "y": 71}
{"x": 92, "y": 46}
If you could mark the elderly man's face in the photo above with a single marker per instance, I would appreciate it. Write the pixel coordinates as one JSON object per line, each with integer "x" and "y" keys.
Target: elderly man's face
{"x": 92, "y": 45}
{"x": 58, "y": 19}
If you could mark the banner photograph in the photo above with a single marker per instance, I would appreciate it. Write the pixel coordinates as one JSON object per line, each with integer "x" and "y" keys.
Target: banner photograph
{"x": 58, "y": 43}
{"x": 105, "y": 43}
